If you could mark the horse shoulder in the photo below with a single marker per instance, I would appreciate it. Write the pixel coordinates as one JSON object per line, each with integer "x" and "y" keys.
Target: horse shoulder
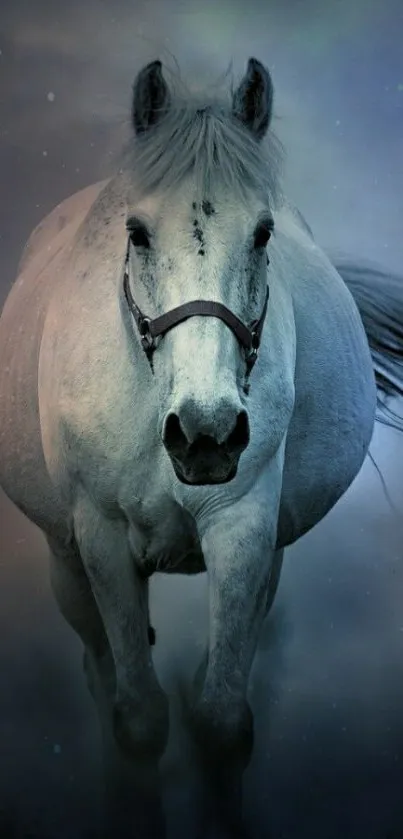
{"x": 22, "y": 325}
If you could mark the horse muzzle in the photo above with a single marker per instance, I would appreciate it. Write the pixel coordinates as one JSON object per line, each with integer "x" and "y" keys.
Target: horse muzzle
{"x": 202, "y": 459}
{"x": 205, "y": 463}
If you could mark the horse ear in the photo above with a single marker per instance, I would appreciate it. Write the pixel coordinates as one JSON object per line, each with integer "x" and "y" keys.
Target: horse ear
{"x": 253, "y": 100}
{"x": 150, "y": 97}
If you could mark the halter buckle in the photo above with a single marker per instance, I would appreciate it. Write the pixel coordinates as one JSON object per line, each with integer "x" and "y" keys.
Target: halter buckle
{"x": 147, "y": 340}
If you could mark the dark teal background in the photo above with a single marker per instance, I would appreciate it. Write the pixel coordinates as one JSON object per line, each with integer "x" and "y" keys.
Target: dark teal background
{"x": 327, "y": 687}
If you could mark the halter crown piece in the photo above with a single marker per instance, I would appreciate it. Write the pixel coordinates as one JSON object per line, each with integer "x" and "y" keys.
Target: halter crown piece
{"x": 151, "y": 329}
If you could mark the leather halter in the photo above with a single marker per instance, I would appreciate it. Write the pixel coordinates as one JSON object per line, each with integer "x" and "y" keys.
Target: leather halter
{"x": 151, "y": 329}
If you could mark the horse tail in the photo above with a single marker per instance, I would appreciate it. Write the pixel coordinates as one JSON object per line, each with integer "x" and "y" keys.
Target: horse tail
{"x": 378, "y": 295}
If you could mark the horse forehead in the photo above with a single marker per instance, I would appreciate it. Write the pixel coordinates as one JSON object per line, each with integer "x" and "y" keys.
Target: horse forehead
{"x": 186, "y": 199}
{"x": 204, "y": 216}
{"x": 180, "y": 214}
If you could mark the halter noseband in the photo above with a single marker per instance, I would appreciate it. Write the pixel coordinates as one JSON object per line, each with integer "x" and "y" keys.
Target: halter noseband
{"x": 151, "y": 329}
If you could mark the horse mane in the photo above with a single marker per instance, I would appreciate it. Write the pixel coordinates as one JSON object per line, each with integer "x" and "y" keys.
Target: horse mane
{"x": 199, "y": 135}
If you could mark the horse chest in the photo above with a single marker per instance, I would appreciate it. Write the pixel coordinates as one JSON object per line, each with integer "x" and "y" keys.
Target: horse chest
{"x": 165, "y": 539}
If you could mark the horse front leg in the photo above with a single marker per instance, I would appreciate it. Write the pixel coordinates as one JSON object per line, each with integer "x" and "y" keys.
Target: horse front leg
{"x": 239, "y": 549}
{"x": 132, "y": 706}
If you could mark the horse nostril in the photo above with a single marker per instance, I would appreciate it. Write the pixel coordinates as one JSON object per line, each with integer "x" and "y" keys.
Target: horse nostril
{"x": 180, "y": 437}
{"x": 173, "y": 437}
{"x": 239, "y": 437}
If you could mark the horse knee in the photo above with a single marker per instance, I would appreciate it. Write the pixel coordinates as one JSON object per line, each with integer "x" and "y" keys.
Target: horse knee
{"x": 224, "y": 730}
{"x": 141, "y": 727}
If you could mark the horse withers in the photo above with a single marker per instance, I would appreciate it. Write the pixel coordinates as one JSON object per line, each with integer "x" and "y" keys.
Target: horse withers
{"x": 186, "y": 386}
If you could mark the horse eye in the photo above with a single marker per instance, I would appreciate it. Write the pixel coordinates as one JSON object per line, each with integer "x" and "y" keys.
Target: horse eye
{"x": 263, "y": 233}
{"x": 138, "y": 233}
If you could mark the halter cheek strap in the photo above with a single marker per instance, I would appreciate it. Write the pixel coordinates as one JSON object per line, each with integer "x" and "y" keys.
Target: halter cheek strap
{"x": 150, "y": 329}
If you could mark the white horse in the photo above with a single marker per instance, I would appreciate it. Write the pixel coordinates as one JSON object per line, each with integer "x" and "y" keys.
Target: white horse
{"x": 186, "y": 386}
